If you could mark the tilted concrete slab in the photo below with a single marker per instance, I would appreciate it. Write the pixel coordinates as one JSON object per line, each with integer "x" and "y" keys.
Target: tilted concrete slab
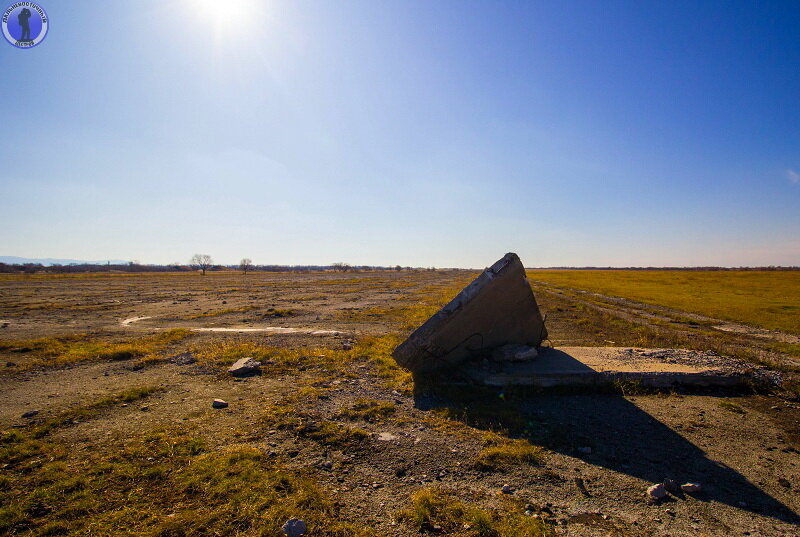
{"x": 599, "y": 366}
{"x": 496, "y": 309}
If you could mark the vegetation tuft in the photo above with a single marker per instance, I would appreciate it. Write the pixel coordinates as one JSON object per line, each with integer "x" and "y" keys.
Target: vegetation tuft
{"x": 434, "y": 510}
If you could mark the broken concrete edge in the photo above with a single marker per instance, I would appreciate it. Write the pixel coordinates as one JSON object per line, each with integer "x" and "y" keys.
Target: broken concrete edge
{"x": 704, "y": 382}
{"x": 610, "y": 384}
{"x": 436, "y": 344}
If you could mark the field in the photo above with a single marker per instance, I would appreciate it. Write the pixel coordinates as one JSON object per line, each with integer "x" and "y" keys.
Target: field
{"x": 121, "y": 370}
{"x": 766, "y": 299}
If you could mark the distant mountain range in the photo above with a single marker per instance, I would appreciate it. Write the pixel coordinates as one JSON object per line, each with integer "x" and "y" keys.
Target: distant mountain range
{"x": 13, "y": 260}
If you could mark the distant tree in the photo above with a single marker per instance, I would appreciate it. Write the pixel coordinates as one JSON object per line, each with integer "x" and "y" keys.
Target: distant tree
{"x": 246, "y": 264}
{"x": 341, "y": 267}
{"x": 398, "y": 268}
{"x": 201, "y": 261}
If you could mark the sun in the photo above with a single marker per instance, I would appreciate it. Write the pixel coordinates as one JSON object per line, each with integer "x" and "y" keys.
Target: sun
{"x": 227, "y": 16}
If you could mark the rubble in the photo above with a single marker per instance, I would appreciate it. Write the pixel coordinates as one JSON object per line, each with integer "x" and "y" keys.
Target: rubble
{"x": 245, "y": 367}
{"x": 497, "y": 309}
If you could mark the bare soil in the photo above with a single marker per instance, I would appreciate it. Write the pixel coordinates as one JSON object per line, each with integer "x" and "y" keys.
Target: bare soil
{"x": 601, "y": 451}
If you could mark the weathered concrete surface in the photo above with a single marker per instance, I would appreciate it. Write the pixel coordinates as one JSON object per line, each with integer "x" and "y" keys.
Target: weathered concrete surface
{"x": 496, "y": 309}
{"x": 598, "y": 366}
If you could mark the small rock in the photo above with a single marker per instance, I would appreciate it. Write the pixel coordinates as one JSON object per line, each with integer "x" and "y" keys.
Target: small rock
{"x": 219, "y": 403}
{"x": 782, "y": 481}
{"x": 294, "y": 527}
{"x": 144, "y": 408}
{"x": 691, "y": 488}
{"x": 507, "y": 489}
{"x": 245, "y": 367}
{"x": 187, "y": 358}
{"x": 30, "y": 413}
{"x": 514, "y": 353}
{"x": 386, "y": 437}
{"x": 327, "y": 465}
{"x": 582, "y": 486}
{"x": 671, "y": 486}
{"x": 657, "y": 492}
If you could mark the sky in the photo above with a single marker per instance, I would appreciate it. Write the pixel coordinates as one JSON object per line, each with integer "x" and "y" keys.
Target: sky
{"x": 419, "y": 133}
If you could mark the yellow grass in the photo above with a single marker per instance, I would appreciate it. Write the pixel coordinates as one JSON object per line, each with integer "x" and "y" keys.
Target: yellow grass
{"x": 764, "y": 299}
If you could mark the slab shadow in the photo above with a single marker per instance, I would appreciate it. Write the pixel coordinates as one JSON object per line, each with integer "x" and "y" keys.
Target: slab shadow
{"x": 622, "y": 437}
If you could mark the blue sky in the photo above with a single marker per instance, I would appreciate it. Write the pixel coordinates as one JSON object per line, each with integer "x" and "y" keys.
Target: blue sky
{"x": 420, "y": 133}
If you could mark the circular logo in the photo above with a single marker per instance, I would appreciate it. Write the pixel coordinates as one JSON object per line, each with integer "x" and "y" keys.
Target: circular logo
{"x": 25, "y": 24}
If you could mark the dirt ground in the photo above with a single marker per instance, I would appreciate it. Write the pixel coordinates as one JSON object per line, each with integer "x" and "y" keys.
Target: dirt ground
{"x": 599, "y": 452}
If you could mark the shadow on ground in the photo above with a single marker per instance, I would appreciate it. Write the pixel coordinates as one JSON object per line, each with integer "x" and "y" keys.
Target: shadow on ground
{"x": 623, "y": 438}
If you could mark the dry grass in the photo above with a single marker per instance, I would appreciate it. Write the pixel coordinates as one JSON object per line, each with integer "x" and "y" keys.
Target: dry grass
{"x": 503, "y": 452}
{"x": 369, "y": 410}
{"x": 760, "y": 298}
{"x": 161, "y": 483}
{"x": 434, "y": 510}
{"x": 69, "y": 350}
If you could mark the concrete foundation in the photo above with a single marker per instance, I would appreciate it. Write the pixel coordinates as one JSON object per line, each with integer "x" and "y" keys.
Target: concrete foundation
{"x": 604, "y": 366}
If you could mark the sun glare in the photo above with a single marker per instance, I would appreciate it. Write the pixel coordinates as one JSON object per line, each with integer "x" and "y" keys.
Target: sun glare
{"x": 228, "y": 16}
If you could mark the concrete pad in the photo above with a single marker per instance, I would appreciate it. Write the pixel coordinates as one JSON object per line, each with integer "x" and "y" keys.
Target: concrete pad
{"x": 496, "y": 309}
{"x": 598, "y": 366}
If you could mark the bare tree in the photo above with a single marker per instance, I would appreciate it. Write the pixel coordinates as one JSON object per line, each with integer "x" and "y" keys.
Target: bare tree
{"x": 341, "y": 267}
{"x": 246, "y": 264}
{"x": 201, "y": 261}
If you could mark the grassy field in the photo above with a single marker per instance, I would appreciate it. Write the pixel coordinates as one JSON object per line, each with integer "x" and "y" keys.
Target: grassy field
{"x": 125, "y": 440}
{"x": 760, "y": 298}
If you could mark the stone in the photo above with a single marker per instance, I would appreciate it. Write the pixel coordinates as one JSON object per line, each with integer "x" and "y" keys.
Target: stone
{"x": 514, "y": 353}
{"x": 245, "y": 367}
{"x": 219, "y": 403}
{"x": 294, "y": 527}
{"x": 187, "y": 358}
{"x": 671, "y": 486}
{"x": 30, "y": 413}
{"x": 657, "y": 492}
{"x": 498, "y": 308}
{"x": 507, "y": 489}
{"x": 386, "y": 437}
{"x": 691, "y": 488}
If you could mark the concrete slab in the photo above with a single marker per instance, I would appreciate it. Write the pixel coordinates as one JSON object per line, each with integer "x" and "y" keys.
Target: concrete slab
{"x": 599, "y": 366}
{"x": 496, "y": 309}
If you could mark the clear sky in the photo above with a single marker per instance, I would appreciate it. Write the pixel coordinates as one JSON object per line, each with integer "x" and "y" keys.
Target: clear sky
{"x": 420, "y": 133}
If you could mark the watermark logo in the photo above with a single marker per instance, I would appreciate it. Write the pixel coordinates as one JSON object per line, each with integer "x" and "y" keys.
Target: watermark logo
{"x": 25, "y": 24}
